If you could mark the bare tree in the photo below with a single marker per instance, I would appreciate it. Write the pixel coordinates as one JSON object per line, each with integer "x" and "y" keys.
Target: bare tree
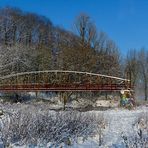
{"x": 143, "y": 69}
{"x": 108, "y": 56}
{"x": 131, "y": 68}
{"x": 87, "y": 32}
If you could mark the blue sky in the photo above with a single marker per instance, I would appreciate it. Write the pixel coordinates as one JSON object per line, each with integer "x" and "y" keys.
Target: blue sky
{"x": 125, "y": 21}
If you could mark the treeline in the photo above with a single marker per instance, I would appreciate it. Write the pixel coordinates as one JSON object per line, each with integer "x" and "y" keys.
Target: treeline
{"x": 27, "y": 36}
{"x": 29, "y": 42}
{"x": 136, "y": 65}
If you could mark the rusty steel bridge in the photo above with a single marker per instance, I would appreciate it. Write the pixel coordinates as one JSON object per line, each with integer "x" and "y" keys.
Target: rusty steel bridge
{"x": 58, "y": 80}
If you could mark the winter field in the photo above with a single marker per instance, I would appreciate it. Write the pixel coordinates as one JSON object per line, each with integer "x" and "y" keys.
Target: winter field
{"x": 78, "y": 75}
{"x": 38, "y": 125}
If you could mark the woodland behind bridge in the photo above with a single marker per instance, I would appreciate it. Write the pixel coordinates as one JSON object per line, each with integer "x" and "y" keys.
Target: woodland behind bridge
{"x": 30, "y": 42}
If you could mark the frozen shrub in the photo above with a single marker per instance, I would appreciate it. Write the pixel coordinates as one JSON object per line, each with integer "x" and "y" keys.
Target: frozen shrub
{"x": 32, "y": 127}
{"x": 140, "y": 139}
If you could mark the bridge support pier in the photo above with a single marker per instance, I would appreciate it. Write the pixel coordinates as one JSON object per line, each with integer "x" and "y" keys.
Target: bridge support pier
{"x": 36, "y": 94}
{"x": 64, "y": 96}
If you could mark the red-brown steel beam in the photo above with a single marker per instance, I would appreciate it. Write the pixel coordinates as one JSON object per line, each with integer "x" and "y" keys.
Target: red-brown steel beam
{"x": 63, "y": 87}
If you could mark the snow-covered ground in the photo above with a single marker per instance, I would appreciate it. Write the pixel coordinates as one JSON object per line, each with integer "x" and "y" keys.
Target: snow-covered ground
{"x": 118, "y": 122}
{"x": 122, "y": 122}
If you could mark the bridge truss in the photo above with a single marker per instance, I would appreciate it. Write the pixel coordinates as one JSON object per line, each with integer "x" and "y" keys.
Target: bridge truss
{"x": 58, "y": 80}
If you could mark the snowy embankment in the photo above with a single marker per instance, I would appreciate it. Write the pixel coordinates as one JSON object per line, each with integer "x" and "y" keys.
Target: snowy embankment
{"x": 118, "y": 123}
{"x": 122, "y": 122}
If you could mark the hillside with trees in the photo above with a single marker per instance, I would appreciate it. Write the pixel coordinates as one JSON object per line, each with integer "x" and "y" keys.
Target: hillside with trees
{"x": 29, "y": 42}
{"x": 90, "y": 102}
{"x": 29, "y": 38}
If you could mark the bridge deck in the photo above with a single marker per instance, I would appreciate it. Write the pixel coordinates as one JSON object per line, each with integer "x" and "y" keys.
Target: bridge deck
{"x": 66, "y": 87}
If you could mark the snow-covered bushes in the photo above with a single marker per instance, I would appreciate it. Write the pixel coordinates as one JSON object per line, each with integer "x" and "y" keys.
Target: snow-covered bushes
{"x": 140, "y": 139}
{"x": 137, "y": 141}
{"x": 26, "y": 127}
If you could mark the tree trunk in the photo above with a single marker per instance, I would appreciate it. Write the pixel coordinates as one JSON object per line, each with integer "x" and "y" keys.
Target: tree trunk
{"x": 65, "y": 101}
{"x": 145, "y": 82}
{"x": 145, "y": 88}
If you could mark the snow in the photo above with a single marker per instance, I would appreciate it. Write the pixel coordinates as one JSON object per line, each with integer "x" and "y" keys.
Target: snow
{"x": 119, "y": 121}
{"x": 86, "y": 144}
{"x": 107, "y": 103}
